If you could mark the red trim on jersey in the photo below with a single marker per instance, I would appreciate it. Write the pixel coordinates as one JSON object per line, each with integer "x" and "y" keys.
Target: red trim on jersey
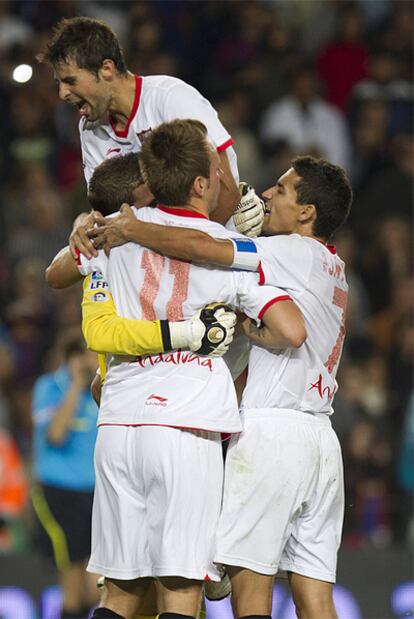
{"x": 181, "y": 212}
{"x": 262, "y": 277}
{"x": 124, "y": 132}
{"x": 78, "y": 257}
{"x": 283, "y": 297}
{"x": 225, "y": 146}
{"x": 331, "y": 248}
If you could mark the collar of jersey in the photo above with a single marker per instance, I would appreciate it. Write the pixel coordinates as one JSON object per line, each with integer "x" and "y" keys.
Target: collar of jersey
{"x": 331, "y": 248}
{"x": 138, "y": 88}
{"x": 181, "y": 212}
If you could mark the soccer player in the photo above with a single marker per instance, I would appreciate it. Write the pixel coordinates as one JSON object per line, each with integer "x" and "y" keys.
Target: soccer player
{"x": 283, "y": 494}
{"x": 119, "y": 110}
{"x": 158, "y": 447}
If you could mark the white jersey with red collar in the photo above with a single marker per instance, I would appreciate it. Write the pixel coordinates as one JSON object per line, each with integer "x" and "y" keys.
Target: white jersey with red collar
{"x": 180, "y": 388}
{"x": 158, "y": 99}
{"x": 304, "y": 378}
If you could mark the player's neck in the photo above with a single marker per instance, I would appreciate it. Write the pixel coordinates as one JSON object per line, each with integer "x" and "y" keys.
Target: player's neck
{"x": 122, "y": 101}
{"x": 197, "y": 206}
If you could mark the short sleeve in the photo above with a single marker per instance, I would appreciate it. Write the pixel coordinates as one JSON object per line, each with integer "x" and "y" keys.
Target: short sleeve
{"x": 97, "y": 265}
{"x": 254, "y": 300}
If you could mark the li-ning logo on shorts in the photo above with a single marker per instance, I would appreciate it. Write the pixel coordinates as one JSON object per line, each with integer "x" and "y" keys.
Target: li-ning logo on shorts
{"x": 156, "y": 400}
{"x": 142, "y": 135}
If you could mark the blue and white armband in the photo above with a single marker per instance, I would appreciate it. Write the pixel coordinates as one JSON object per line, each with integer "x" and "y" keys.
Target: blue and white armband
{"x": 246, "y": 256}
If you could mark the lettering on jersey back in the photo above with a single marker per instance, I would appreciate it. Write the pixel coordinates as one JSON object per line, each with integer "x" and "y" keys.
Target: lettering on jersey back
{"x": 322, "y": 391}
{"x": 333, "y": 268}
{"x": 340, "y": 299}
{"x": 153, "y": 265}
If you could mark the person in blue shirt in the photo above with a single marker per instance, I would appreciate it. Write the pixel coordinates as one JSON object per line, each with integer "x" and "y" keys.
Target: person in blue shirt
{"x": 64, "y": 420}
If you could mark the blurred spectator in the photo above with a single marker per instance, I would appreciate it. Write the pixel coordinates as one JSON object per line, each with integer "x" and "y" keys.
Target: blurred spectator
{"x": 64, "y": 416}
{"x": 13, "y": 493}
{"x": 367, "y": 482}
{"x": 307, "y": 122}
{"x": 348, "y": 51}
{"x": 13, "y": 29}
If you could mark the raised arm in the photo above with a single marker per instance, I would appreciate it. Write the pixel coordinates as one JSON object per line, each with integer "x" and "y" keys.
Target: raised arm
{"x": 229, "y": 196}
{"x": 63, "y": 270}
{"x": 182, "y": 243}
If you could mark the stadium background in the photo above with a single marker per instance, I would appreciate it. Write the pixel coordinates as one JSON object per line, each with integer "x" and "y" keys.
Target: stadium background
{"x": 266, "y": 66}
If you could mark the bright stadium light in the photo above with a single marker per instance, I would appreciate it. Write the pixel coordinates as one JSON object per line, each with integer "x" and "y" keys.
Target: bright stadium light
{"x": 22, "y": 73}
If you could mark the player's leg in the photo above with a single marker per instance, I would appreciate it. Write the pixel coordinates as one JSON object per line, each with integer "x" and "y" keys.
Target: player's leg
{"x": 268, "y": 477}
{"x": 122, "y": 597}
{"x": 119, "y": 543}
{"x": 313, "y": 598}
{"x": 180, "y": 596}
{"x": 252, "y": 592}
{"x": 183, "y": 506}
{"x": 311, "y": 553}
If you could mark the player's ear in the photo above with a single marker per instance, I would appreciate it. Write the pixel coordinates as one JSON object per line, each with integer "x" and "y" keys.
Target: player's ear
{"x": 107, "y": 71}
{"x": 199, "y": 186}
{"x": 307, "y": 213}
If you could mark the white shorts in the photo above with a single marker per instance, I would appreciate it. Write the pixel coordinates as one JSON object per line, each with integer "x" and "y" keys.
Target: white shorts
{"x": 157, "y": 501}
{"x": 283, "y": 495}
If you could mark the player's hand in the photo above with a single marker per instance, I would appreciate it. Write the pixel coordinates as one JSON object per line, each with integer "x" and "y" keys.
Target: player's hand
{"x": 249, "y": 215}
{"x": 212, "y": 330}
{"x": 113, "y": 231}
{"x": 79, "y": 240}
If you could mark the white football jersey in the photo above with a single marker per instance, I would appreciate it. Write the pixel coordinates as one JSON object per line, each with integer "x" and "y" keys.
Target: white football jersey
{"x": 158, "y": 99}
{"x": 301, "y": 378}
{"x": 181, "y": 388}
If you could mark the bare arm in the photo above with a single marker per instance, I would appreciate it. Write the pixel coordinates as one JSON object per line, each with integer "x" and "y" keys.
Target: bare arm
{"x": 229, "y": 196}
{"x": 284, "y": 327}
{"x": 63, "y": 271}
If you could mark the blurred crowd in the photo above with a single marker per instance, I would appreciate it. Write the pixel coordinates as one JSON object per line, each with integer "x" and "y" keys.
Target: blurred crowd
{"x": 327, "y": 77}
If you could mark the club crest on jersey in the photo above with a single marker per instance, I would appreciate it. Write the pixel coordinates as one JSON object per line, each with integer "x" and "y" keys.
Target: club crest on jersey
{"x": 142, "y": 135}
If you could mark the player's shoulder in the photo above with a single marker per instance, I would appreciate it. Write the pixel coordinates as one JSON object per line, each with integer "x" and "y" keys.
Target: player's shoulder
{"x": 161, "y": 83}
{"x": 292, "y": 243}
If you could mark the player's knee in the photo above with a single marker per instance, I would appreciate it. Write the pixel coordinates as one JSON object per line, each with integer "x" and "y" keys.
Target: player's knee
{"x": 105, "y": 613}
{"x": 316, "y": 607}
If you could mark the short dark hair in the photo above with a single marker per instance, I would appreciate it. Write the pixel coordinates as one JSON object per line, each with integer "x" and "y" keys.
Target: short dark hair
{"x": 173, "y": 155}
{"x": 113, "y": 182}
{"x": 327, "y": 187}
{"x": 85, "y": 40}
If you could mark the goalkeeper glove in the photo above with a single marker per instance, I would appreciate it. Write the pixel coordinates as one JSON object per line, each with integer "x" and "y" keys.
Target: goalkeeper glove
{"x": 249, "y": 214}
{"x": 209, "y": 332}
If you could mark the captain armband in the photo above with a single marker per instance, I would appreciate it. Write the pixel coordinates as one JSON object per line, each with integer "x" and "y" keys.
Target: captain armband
{"x": 246, "y": 256}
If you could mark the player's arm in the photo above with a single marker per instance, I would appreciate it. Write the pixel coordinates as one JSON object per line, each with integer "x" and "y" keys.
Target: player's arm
{"x": 283, "y": 326}
{"x": 63, "y": 270}
{"x": 209, "y": 332}
{"x": 182, "y": 243}
{"x": 229, "y": 196}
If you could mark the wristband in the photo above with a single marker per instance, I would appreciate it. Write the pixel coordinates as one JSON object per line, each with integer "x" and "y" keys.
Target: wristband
{"x": 246, "y": 257}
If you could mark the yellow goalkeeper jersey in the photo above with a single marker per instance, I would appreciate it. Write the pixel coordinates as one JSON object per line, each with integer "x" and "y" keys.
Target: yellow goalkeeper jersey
{"x": 106, "y": 332}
